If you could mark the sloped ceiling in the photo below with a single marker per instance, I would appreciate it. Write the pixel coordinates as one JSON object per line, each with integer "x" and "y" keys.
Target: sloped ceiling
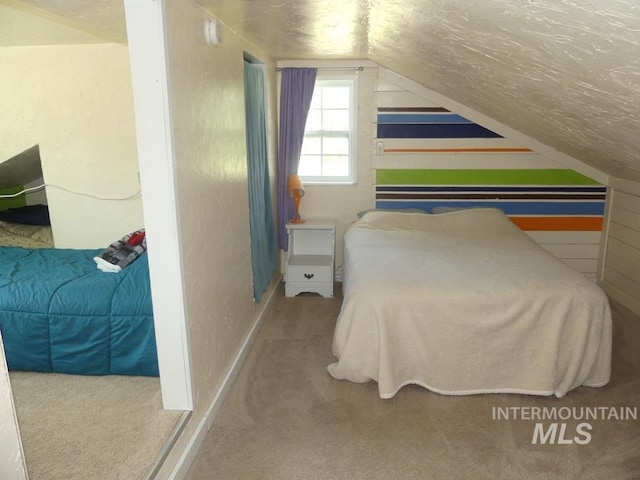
{"x": 23, "y": 24}
{"x": 564, "y": 72}
{"x": 21, "y": 169}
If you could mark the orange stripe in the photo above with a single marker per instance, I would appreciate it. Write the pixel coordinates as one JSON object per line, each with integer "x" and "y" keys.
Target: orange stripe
{"x": 456, "y": 150}
{"x": 584, "y": 224}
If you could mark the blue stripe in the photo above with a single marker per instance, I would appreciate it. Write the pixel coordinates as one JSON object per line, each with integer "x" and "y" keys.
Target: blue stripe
{"x": 510, "y": 208}
{"x": 581, "y": 189}
{"x": 422, "y": 118}
{"x": 455, "y": 130}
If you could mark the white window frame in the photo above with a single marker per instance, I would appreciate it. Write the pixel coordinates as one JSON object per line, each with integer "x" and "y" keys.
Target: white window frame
{"x": 352, "y": 82}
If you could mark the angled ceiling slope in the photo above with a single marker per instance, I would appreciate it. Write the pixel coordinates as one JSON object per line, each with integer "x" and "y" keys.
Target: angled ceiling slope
{"x": 43, "y": 22}
{"x": 566, "y": 73}
{"x": 21, "y": 169}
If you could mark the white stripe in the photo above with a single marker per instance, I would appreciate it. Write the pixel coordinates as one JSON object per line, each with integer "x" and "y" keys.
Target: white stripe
{"x": 462, "y": 161}
{"x": 568, "y": 238}
{"x": 449, "y": 143}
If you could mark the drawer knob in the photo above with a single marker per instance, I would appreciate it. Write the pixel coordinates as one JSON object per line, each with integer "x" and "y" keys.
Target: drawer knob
{"x": 308, "y": 276}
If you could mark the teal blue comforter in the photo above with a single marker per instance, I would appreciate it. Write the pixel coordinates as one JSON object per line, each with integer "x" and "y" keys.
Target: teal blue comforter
{"x": 59, "y": 313}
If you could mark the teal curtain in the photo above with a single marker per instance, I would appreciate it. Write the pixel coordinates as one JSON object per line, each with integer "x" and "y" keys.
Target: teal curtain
{"x": 261, "y": 219}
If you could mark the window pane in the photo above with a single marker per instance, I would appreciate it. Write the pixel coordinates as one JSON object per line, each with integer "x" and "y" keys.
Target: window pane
{"x": 335, "y": 120}
{"x": 311, "y": 145}
{"x": 316, "y": 100}
{"x": 335, "y": 166}
{"x": 310, "y": 165}
{"x": 327, "y": 147}
{"x": 335, "y": 145}
{"x": 335, "y": 97}
{"x": 314, "y": 121}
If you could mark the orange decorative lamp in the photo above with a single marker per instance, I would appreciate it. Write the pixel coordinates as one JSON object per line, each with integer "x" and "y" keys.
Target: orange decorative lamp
{"x": 296, "y": 191}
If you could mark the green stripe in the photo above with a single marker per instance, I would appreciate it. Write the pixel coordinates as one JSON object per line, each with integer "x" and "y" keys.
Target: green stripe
{"x": 481, "y": 177}
{"x": 19, "y": 201}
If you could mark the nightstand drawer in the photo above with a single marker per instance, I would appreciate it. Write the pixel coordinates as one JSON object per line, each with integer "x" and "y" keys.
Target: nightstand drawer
{"x": 309, "y": 274}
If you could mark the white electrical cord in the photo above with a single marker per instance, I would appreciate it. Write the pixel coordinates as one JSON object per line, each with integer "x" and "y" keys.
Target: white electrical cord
{"x": 40, "y": 187}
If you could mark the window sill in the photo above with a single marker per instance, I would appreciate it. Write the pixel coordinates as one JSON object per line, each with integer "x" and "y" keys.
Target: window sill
{"x": 335, "y": 184}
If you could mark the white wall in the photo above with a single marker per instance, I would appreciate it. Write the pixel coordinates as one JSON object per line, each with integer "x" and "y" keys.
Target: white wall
{"x": 621, "y": 278}
{"x": 209, "y": 171}
{"x": 76, "y": 103}
{"x": 37, "y": 196}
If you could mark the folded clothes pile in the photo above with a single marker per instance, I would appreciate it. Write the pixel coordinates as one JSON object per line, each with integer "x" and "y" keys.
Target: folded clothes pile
{"x": 122, "y": 252}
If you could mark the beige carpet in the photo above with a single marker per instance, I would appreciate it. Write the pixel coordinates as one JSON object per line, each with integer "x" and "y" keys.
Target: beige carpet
{"x": 286, "y": 418}
{"x": 90, "y": 428}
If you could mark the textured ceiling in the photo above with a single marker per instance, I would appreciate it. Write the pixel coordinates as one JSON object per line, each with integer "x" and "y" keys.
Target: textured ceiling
{"x": 564, "y": 72}
{"x": 23, "y": 24}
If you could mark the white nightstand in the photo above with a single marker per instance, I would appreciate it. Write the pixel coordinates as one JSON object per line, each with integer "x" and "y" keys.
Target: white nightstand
{"x": 310, "y": 257}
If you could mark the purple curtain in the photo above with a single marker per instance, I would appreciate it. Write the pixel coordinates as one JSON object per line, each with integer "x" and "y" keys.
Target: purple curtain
{"x": 296, "y": 90}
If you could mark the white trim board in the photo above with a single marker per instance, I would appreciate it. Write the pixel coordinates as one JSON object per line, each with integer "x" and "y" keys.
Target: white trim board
{"x": 604, "y": 241}
{"x": 146, "y": 38}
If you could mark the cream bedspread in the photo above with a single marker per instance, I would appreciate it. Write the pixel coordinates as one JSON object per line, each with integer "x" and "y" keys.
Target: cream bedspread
{"x": 464, "y": 303}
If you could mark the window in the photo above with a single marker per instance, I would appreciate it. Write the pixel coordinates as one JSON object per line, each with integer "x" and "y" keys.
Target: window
{"x": 328, "y": 149}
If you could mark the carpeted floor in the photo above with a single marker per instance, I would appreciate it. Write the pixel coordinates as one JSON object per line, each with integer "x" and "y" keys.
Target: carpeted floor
{"x": 286, "y": 418}
{"x": 90, "y": 428}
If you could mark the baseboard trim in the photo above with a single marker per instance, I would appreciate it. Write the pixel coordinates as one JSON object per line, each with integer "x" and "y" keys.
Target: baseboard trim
{"x": 162, "y": 456}
{"x": 181, "y": 468}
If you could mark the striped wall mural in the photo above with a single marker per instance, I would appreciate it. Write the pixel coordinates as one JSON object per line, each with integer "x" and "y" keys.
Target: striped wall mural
{"x": 429, "y": 157}
{"x": 427, "y": 122}
{"x": 540, "y": 200}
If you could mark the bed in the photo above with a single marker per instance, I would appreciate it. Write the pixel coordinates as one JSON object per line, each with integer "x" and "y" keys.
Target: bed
{"x": 28, "y": 236}
{"x": 28, "y": 226}
{"x": 59, "y": 313}
{"x": 465, "y": 303}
